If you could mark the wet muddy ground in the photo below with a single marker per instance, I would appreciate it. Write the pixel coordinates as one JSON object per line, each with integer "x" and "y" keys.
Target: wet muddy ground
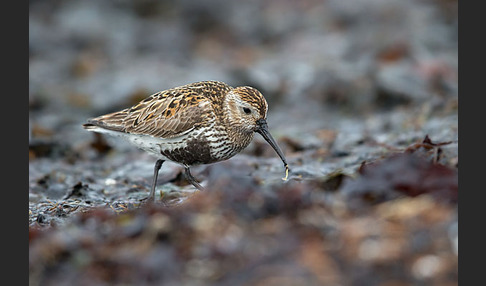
{"x": 363, "y": 101}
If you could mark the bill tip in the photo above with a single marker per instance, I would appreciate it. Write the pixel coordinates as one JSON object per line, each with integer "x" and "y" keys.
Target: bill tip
{"x": 286, "y": 172}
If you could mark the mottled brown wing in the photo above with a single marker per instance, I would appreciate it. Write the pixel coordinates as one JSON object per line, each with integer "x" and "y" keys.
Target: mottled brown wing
{"x": 166, "y": 115}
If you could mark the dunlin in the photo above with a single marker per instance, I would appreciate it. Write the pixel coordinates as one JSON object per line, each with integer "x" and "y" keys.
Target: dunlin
{"x": 198, "y": 123}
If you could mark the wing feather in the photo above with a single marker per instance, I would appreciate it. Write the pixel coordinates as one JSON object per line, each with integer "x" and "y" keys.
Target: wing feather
{"x": 165, "y": 114}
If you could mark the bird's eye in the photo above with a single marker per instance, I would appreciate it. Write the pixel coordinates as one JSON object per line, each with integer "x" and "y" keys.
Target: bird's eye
{"x": 246, "y": 110}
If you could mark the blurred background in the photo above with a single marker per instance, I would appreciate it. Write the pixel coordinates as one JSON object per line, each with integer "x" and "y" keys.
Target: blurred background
{"x": 308, "y": 58}
{"x": 346, "y": 82}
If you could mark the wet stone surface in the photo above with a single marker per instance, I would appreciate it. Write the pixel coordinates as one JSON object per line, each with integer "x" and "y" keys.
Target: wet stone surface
{"x": 363, "y": 102}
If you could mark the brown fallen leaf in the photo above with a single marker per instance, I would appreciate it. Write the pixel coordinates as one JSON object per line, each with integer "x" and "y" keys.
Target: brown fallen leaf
{"x": 406, "y": 173}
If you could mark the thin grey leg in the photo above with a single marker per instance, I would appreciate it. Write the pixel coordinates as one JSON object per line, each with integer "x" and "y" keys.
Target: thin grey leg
{"x": 157, "y": 166}
{"x": 193, "y": 181}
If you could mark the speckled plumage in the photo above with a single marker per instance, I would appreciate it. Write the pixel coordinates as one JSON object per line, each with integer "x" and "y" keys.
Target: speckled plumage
{"x": 198, "y": 123}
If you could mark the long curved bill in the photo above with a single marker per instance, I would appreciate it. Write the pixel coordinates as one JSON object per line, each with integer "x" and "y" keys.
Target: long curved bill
{"x": 263, "y": 130}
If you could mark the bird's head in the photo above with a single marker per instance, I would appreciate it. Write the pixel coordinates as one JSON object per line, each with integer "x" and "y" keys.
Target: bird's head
{"x": 247, "y": 112}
